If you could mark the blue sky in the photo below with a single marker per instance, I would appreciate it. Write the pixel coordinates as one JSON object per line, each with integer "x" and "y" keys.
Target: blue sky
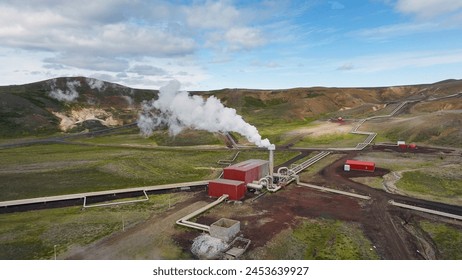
{"x": 232, "y": 44}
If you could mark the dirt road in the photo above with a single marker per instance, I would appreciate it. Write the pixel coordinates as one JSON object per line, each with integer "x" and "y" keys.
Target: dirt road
{"x": 383, "y": 223}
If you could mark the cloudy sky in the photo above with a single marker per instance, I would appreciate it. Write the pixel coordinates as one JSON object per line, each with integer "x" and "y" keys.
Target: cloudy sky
{"x": 232, "y": 44}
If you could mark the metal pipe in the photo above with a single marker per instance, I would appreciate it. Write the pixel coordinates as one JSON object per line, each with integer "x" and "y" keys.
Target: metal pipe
{"x": 146, "y": 197}
{"x": 254, "y": 186}
{"x": 425, "y": 210}
{"x": 99, "y": 193}
{"x": 274, "y": 188}
{"x": 264, "y": 182}
{"x": 184, "y": 221}
{"x": 269, "y": 184}
{"x": 332, "y": 190}
{"x": 283, "y": 170}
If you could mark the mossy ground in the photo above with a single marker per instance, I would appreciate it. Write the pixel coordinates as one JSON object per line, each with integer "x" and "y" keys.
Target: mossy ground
{"x": 321, "y": 239}
{"x": 447, "y": 238}
{"x": 33, "y": 234}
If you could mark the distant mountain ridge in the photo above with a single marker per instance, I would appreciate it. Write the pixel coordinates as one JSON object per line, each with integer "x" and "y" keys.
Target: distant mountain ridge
{"x": 62, "y": 104}
{"x": 73, "y": 104}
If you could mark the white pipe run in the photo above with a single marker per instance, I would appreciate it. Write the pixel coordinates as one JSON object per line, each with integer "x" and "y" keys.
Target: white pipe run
{"x": 184, "y": 221}
{"x": 146, "y": 198}
{"x": 254, "y": 186}
{"x": 425, "y": 210}
{"x": 331, "y": 190}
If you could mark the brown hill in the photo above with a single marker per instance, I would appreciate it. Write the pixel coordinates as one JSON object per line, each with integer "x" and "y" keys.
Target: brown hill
{"x": 77, "y": 103}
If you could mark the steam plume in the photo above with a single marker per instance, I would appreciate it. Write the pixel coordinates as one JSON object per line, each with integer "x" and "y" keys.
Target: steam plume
{"x": 179, "y": 110}
{"x": 67, "y": 95}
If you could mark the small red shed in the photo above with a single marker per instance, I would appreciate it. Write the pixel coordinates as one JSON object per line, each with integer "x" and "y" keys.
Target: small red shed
{"x": 359, "y": 165}
{"x": 402, "y": 145}
{"x": 247, "y": 171}
{"x": 235, "y": 189}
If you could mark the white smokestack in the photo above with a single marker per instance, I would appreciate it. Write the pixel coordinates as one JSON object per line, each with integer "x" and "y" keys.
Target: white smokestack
{"x": 179, "y": 110}
{"x": 271, "y": 149}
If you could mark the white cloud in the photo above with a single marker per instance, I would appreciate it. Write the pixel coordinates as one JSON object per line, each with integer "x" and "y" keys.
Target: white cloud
{"x": 270, "y": 64}
{"x": 405, "y": 60}
{"x": 226, "y": 26}
{"x": 55, "y": 33}
{"x": 83, "y": 61}
{"x": 108, "y": 36}
{"x": 346, "y": 67}
{"x": 244, "y": 38}
{"x": 148, "y": 70}
{"x": 213, "y": 14}
{"x": 396, "y": 30}
{"x": 428, "y": 8}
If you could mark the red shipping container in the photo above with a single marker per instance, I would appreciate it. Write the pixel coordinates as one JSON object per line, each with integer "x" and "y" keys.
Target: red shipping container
{"x": 235, "y": 189}
{"x": 361, "y": 165}
{"x": 247, "y": 171}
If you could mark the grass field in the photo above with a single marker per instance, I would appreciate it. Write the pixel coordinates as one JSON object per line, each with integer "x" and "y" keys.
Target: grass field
{"x": 44, "y": 170}
{"x": 337, "y": 140}
{"x": 401, "y": 161}
{"x": 311, "y": 172}
{"x": 426, "y": 176}
{"x": 374, "y": 182}
{"x": 62, "y": 169}
{"x": 448, "y": 239}
{"x": 33, "y": 235}
{"x": 321, "y": 239}
{"x": 439, "y": 188}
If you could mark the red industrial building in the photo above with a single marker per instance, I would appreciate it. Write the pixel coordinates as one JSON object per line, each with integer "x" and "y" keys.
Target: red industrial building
{"x": 235, "y": 189}
{"x": 247, "y": 171}
{"x": 359, "y": 165}
{"x": 236, "y": 177}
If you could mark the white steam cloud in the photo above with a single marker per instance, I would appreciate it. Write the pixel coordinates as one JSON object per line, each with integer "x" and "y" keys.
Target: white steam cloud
{"x": 179, "y": 110}
{"x": 67, "y": 95}
{"x": 96, "y": 84}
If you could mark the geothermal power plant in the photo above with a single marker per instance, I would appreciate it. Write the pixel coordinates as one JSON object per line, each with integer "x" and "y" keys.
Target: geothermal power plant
{"x": 221, "y": 239}
{"x": 217, "y": 236}
{"x": 253, "y": 174}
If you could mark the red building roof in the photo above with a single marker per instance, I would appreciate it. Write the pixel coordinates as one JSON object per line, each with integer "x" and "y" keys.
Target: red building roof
{"x": 227, "y": 182}
{"x": 247, "y": 165}
{"x": 358, "y": 162}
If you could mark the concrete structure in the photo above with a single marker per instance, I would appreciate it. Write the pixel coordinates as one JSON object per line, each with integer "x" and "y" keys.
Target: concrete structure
{"x": 225, "y": 229}
{"x": 235, "y": 189}
{"x": 359, "y": 165}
